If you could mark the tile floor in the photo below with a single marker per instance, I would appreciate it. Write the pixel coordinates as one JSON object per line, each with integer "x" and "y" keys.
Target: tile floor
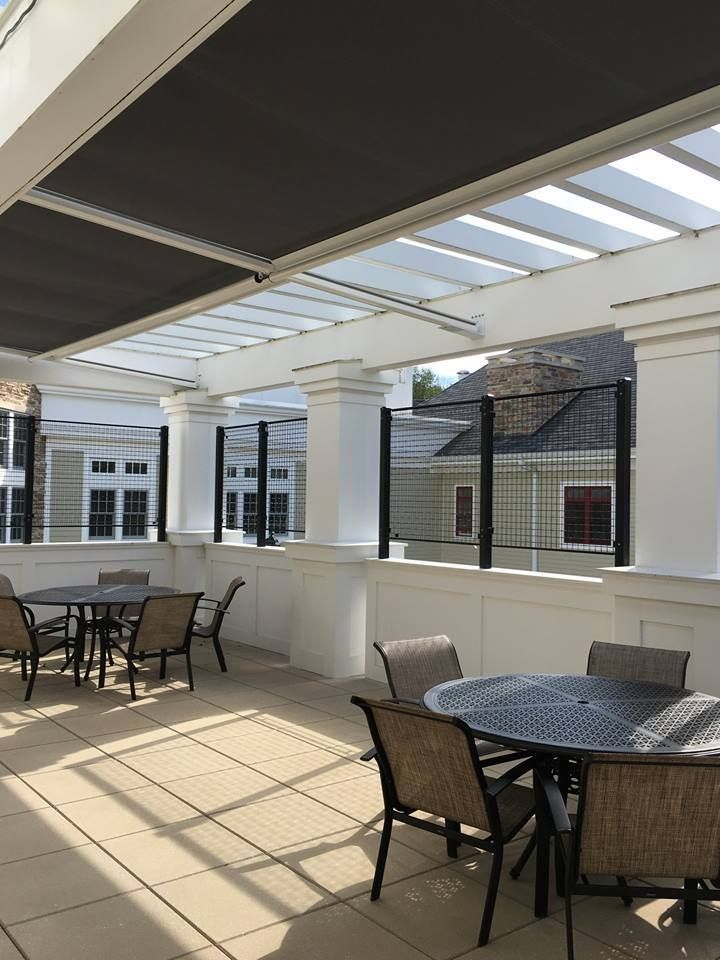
{"x": 238, "y": 822}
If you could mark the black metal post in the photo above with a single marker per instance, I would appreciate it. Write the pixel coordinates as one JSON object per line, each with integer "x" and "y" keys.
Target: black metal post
{"x": 219, "y": 482}
{"x": 487, "y": 428}
{"x": 623, "y": 442}
{"x": 384, "y": 522}
{"x": 262, "y": 469}
{"x": 162, "y": 485}
{"x": 29, "y": 478}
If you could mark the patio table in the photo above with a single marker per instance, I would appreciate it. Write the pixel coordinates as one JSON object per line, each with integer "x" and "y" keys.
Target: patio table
{"x": 563, "y": 715}
{"x": 91, "y": 596}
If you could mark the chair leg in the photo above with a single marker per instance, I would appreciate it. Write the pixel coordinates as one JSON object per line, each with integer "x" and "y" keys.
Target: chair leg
{"x": 569, "y": 926}
{"x": 104, "y": 647}
{"x": 628, "y": 901}
{"x": 690, "y": 906}
{"x": 163, "y": 664}
{"x": 34, "y": 662}
{"x": 219, "y": 654}
{"x": 491, "y": 897}
{"x": 76, "y": 664}
{"x": 382, "y": 857}
{"x": 131, "y": 678}
{"x": 517, "y": 869}
{"x": 452, "y": 845}
{"x": 559, "y": 868}
{"x": 23, "y": 666}
{"x": 91, "y": 655}
{"x": 188, "y": 663}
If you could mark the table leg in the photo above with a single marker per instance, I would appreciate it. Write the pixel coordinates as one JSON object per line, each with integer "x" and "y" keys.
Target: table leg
{"x": 542, "y": 856}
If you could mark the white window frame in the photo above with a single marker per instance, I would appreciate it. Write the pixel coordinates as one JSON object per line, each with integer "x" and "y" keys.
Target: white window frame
{"x": 600, "y": 549}
{"x": 463, "y": 537}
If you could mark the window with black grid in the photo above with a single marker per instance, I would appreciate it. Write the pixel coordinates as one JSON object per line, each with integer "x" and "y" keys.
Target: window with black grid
{"x": 250, "y": 502}
{"x": 101, "y": 522}
{"x": 135, "y": 514}
{"x": 17, "y": 514}
{"x": 287, "y": 470}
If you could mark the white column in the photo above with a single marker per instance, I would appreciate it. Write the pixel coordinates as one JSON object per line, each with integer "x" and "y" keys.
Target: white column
{"x": 329, "y": 580}
{"x": 192, "y": 420}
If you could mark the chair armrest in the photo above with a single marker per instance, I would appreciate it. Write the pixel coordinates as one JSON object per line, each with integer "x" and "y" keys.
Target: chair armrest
{"x": 369, "y": 754}
{"x": 555, "y": 802}
{"x": 56, "y": 621}
{"x": 404, "y": 701}
{"x": 503, "y": 782}
{"x": 219, "y": 613}
{"x": 492, "y": 759}
{"x": 31, "y": 616}
{"x": 210, "y": 600}
{"x": 119, "y": 622}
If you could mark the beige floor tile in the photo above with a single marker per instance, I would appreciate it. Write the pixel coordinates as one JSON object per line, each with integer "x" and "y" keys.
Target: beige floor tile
{"x": 362, "y": 687}
{"x": 130, "y": 742}
{"x": 351, "y": 751}
{"x": 281, "y": 675}
{"x": 103, "y": 818}
{"x": 56, "y": 881}
{"x": 258, "y": 653}
{"x": 273, "y": 824}
{"x": 35, "y": 832}
{"x": 360, "y": 798}
{"x": 439, "y": 912}
{"x": 333, "y": 933}
{"x": 49, "y": 756}
{"x": 239, "y": 698}
{"x": 303, "y": 690}
{"x": 17, "y": 797}
{"x": 306, "y": 771}
{"x": 14, "y": 714}
{"x": 651, "y": 928}
{"x": 181, "y": 706}
{"x": 344, "y": 864}
{"x": 207, "y": 953}
{"x": 96, "y": 779}
{"x": 134, "y": 925}
{"x": 69, "y": 701}
{"x": 334, "y": 733}
{"x": 8, "y": 950}
{"x": 428, "y": 844}
{"x": 179, "y": 849}
{"x": 241, "y": 897}
{"x": 266, "y": 744}
{"x": 31, "y": 734}
{"x": 112, "y": 720}
{"x": 213, "y": 792}
{"x": 339, "y": 705}
{"x": 178, "y": 763}
{"x": 208, "y": 731}
{"x": 542, "y": 940}
{"x": 293, "y": 716}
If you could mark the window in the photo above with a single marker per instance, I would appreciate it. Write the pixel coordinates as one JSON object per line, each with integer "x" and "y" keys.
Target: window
{"x": 4, "y": 435}
{"x": 463, "y": 511}
{"x": 250, "y": 512}
{"x": 17, "y": 515}
{"x": 3, "y": 514}
{"x": 588, "y": 515}
{"x": 231, "y": 472}
{"x": 250, "y": 473}
{"x": 278, "y": 513}
{"x": 103, "y": 466}
{"x": 20, "y": 442}
{"x": 135, "y": 514}
{"x": 278, "y": 473}
{"x": 102, "y": 514}
{"x": 231, "y": 510}
{"x": 136, "y": 467}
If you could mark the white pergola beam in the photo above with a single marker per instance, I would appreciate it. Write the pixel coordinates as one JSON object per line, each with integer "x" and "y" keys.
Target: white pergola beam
{"x": 574, "y": 301}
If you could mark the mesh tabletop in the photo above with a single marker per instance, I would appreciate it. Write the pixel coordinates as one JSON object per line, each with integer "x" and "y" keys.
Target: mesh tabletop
{"x": 92, "y": 595}
{"x": 568, "y": 714}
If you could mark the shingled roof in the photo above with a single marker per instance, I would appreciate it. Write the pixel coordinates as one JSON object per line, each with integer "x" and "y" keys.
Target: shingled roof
{"x": 582, "y": 424}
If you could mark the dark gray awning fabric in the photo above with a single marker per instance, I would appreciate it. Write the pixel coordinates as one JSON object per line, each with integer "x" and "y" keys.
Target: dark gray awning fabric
{"x": 63, "y": 279}
{"x": 297, "y": 121}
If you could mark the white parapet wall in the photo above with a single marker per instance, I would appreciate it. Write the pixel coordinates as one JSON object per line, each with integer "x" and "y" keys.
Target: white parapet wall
{"x": 261, "y": 613}
{"x": 501, "y": 621}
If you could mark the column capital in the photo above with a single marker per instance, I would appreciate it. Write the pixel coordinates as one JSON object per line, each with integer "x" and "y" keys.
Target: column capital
{"x": 346, "y": 380}
{"x": 672, "y": 324}
{"x": 196, "y": 405}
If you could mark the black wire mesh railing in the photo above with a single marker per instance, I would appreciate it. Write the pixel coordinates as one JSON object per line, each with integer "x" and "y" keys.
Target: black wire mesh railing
{"x": 541, "y": 471}
{"x": 68, "y": 482}
{"x": 260, "y": 480}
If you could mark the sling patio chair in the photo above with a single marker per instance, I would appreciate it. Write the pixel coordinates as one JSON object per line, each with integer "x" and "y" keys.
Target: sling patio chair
{"x": 428, "y": 763}
{"x": 164, "y": 628}
{"x": 129, "y": 612}
{"x": 219, "y": 610}
{"x": 652, "y": 816}
{"x": 20, "y": 637}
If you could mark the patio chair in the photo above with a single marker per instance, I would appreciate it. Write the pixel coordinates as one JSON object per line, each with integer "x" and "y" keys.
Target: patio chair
{"x": 647, "y": 816}
{"x": 128, "y": 612}
{"x": 219, "y": 609}
{"x": 19, "y": 636}
{"x": 428, "y": 763}
{"x": 631, "y": 662}
{"x": 163, "y": 629}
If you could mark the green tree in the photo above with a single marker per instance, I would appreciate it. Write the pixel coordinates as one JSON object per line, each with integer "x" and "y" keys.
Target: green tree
{"x": 425, "y": 384}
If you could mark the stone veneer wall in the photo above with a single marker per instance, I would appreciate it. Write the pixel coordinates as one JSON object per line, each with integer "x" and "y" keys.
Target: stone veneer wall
{"x": 527, "y": 372}
{"x": 26, "y": 398}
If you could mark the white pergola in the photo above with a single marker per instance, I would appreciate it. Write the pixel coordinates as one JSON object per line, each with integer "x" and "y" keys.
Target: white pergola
{"x": 619, "y": 230}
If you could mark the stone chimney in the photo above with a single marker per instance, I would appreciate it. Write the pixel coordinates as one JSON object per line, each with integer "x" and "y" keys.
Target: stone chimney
{"x": 531, "y": 370}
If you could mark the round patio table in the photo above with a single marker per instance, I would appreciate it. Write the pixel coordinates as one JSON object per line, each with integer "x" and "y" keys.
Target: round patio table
{"x": 562, "y": 715}
{"x": 92, "y": 595}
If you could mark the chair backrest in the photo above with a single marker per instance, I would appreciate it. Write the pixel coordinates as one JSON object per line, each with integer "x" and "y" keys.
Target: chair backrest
{"x": 140, "y": 577}
{"x": 630, "y": 662}
{"x": 6, "y": 586}
{"x": 649, "y": 816}
{"x": 14, "y": 634}
{"x": 414, "y": 666}
{"x": 428, "y": 762}
{"x": 227, "y": 599}
{"x": 165, "y": 623}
